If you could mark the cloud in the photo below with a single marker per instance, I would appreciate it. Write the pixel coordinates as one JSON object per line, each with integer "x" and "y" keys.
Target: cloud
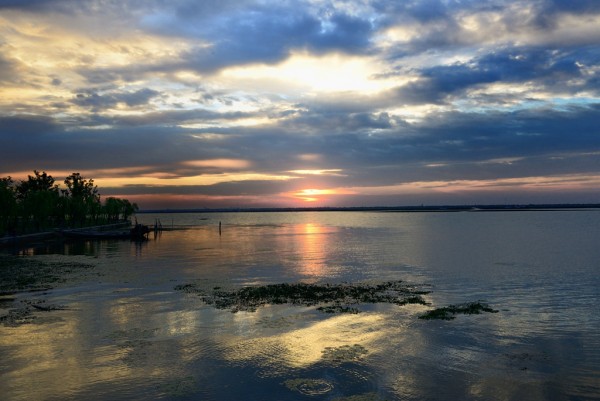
{"x": 28, "y": 4}
{"x": 8, "y": 69}
{"x": 239, "y": 188}
{"x": 235, "y": 99}
{"x": 547, "y": 12}
{"x": 334, "y": 121}
{"x": 91, "y": 99}
{"x": 559, "y": 72}
{"x": 264, "y": 34}
{"x": 27, "y": 125}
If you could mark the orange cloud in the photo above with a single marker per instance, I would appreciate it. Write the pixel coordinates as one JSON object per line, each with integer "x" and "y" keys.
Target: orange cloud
{"x": 335, "y": 172}
{"x": 219, "y": 163}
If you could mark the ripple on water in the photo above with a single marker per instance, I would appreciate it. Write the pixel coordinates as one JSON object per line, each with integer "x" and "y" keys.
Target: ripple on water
{"x": 178, "y": 387}
{"x": 309, "y": 386}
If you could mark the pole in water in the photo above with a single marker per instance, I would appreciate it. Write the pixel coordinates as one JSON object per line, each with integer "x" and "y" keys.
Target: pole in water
{"x": 219, "y": 228}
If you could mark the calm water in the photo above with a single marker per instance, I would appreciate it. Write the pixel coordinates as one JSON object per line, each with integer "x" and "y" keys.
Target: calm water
{"x": 124, "y": 333}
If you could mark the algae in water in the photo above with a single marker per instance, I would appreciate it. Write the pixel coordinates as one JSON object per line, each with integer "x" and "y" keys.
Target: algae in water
{"x": 449, "y": 312}
{"x": 333, "y": 298}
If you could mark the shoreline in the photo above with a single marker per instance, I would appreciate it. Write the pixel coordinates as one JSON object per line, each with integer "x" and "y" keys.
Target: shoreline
{"x": 25, "y": 238}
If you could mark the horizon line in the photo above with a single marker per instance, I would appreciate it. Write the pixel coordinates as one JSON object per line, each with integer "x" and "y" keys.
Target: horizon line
{"x": 412, "y": 208}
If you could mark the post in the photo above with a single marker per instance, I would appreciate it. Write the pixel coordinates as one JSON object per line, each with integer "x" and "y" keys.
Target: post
{"x": 219, "y": 228}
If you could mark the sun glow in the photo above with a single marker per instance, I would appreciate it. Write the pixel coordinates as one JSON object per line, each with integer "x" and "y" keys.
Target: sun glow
{"x": 327, "y": 73}
{"x": 314, "y": 195}
{"x": 314, "y": 192}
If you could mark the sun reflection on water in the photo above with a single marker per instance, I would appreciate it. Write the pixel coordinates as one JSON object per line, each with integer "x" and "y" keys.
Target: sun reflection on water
{"x": 313, "y": 245}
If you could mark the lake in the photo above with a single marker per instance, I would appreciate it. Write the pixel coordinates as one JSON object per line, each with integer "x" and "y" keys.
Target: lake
{"x": 119, "y": 320}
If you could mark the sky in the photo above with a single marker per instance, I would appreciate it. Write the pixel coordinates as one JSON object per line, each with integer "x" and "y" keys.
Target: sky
{"x": 235, "y": 103}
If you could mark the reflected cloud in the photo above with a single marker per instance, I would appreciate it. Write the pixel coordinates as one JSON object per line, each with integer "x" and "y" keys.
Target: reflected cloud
{"x": 38, "y": 355}
{"x": 303, "y": 347}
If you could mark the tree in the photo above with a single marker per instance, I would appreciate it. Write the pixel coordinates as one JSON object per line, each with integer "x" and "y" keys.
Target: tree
{"x": 38, "y": 203}
{"x": 112, "y": 208}
{"x": 8, "y": 205}
{"x": 116, "y": 209}
{"x": 128, "y": 209}
{"x": 38, "y": 198}
{"x": 39, "y": 182}
{"x": 83, "y": 199}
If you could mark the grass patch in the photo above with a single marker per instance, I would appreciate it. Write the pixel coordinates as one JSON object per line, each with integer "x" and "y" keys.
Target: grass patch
{"x": 332, "y": 298}
{"x": 449, "y": 312}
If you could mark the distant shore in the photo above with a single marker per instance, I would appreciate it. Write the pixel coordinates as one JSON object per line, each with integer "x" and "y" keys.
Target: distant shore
{"x": 401, "y": 209}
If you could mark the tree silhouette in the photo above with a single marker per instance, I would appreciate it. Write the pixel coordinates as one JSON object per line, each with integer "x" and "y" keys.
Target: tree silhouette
{"x": 8, "y": 205}
{"x": 83, "y": 199}
{"x": 117, "y": 209}
{"x": 39, "y": 182}
{"x": 37, "y": 203}
{"x": 38, "y": 197}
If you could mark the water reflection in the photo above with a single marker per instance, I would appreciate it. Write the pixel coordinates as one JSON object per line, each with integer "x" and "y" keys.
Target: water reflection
{"x": 305, "y": 346}
{"x": 124, "y": 333}
{"x": 96, "y": 248}
{"x": 313, "y": 247}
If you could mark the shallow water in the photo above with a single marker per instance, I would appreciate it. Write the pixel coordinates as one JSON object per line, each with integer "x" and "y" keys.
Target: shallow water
{"x": 121, "y": 331}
